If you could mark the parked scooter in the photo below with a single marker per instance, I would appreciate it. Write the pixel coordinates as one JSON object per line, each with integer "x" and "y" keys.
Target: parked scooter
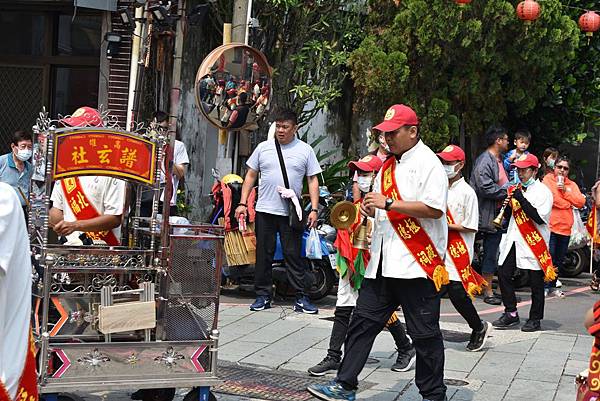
{"x": 321, "y": 273}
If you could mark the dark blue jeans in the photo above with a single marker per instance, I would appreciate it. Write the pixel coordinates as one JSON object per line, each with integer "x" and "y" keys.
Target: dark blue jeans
{"x": 558, "y": 247}
{"x": 491, "y": 243}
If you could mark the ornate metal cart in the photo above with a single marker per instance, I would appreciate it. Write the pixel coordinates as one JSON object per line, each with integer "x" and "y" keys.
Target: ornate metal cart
{"x": 142, "y": 315}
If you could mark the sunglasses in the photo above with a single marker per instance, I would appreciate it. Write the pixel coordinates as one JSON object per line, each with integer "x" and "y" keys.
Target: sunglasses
{"x": 562, "y": 168}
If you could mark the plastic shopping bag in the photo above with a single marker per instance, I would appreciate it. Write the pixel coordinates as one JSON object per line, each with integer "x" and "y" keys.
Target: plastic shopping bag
{"x": 313, "y": 245}
{"x": 579, "y": 234}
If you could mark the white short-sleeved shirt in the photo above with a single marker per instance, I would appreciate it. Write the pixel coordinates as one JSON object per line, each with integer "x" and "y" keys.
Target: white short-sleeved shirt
{"x": 15, "y": 289}
{"x": 540, "y": 197}
{"x": 180, "y": 156}
{"x": 107, "y": 194}
{"x": 462, "y": 203}
{"x": 420, "y": 177}
{"x": 300, "y": 161}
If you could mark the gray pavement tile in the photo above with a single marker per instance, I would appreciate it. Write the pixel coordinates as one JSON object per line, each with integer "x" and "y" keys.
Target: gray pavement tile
{"x": 519, "y": 347}
{"x": 546, "y": 367}
{"x": 387, "y": 380}
{"x": 237, "y": 330}
{"x": 496, "y": 368}
{"x": 461, "y": 360}
{"x": 273, "y": 331}
{"x": 566, "y": 389}
{"x": 412, "y": 393}
{"x": 238, "y": 350}
{"x": 573, "y": 367}
{"x": 487, "y": 392}
{"x": 323, "y": 344}
{"x": 455, "y": 374}
{"x": 376, "y": 395}
{"x": 520, "y": 390}
{"x": 544, "y": 344}
{"x": 308, "y": 357}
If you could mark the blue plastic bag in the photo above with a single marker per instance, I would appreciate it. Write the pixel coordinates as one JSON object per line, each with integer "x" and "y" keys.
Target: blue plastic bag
{"x": 313, "y": 245}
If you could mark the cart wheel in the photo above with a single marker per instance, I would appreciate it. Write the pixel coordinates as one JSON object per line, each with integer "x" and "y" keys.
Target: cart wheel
{"x": 194, "y": 395}
{"x": 158, "y": 394}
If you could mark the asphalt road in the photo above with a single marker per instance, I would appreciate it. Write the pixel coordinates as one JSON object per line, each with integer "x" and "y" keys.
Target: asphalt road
{"x": 561, "y": 314}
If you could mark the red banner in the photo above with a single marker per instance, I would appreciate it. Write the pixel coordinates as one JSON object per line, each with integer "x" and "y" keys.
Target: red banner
{"x": 102, "y": 152}
{"x": 534, "y": 239}
{"x": 410, "y": 231}
{"x": 459, "y": 252}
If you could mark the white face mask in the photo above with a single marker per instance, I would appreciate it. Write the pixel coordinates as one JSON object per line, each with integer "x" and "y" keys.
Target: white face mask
{"x": 450, "y": 170}
{"x": 24, "y": 154}
{"x": 364, "y": 183}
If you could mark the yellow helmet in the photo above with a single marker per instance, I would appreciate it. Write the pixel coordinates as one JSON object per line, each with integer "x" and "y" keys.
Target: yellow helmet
{"x": 230, "y": 178}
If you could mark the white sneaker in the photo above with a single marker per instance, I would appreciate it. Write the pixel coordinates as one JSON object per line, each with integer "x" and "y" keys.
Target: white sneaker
{"x": 558, "y": 283}
{"x": 557, "y": 293}
{"x": 546, "y": 292}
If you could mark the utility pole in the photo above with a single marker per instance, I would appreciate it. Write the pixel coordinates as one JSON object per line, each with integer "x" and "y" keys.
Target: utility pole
{"x": 228, "y": 160}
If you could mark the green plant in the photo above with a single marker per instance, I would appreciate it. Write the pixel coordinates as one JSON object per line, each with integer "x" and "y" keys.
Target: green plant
{"x": 183, "y": 207}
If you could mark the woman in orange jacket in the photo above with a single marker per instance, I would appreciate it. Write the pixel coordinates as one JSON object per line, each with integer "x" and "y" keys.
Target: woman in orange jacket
{"x": 566, "y": 196}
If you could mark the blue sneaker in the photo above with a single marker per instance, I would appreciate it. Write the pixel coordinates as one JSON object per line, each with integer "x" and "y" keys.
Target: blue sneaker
{"x": 332, "y": 391}
{"x": 262, "y": 302}
{"x": 303, "y": 305}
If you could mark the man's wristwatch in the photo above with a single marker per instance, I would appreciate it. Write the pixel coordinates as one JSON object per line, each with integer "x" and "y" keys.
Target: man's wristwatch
{"x": 388, "y": 204}
{"x": 314, "y": 210}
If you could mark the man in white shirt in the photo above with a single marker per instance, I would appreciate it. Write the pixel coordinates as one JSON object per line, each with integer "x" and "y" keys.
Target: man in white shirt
{"x": 15, "y": 299}
{"x": 463, "y": 220}
{"x": 525, "y": 245}
{"x": 406, "y": 265}
{"x": 181, "y": 161}
{"x": 88, "y": 204}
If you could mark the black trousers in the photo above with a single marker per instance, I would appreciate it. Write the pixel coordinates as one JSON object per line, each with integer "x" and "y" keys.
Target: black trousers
{"x": 464, "y": 305}
{"x": 267, "y": 226}
{"x": 536, "y": 282}
{"x": 341, "y": 321}
{"x": 420, "y": 302}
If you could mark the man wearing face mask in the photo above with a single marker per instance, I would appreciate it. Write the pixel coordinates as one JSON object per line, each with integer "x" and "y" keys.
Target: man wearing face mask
{"x": 525, "y": 244}
{"x": 382, "y": 151}
{"x": 15, "y": 167}
{"x": 350, "y": 283}
{"x": 463, "y": 218}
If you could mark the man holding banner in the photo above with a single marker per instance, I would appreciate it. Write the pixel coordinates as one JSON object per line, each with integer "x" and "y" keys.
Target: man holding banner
{"x": 87, "y": 208}
{"x": 525, "y": 244}
{"x": 407, "y": 260}
{"x": 463, "y": 220}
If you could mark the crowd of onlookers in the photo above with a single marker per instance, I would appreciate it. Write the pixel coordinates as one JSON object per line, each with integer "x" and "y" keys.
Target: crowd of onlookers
{"x": 494, "y": 171}
{"x": 234, "y": 99}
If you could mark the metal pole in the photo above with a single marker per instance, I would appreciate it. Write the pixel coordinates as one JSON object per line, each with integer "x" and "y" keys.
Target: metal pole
{"x": 133, "y": 70}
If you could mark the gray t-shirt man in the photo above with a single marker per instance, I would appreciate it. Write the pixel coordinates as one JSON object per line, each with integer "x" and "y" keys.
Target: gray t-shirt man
{"x": 300, "y": 161}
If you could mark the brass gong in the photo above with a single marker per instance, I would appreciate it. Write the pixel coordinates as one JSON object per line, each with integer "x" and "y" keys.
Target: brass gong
{"x": 343, "y": 215}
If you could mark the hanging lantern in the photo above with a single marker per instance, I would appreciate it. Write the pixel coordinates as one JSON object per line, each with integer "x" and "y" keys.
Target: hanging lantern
{"x": 589, "y": 23}
{"x": 462, "y": 3}
{"x": 528, "y": 11}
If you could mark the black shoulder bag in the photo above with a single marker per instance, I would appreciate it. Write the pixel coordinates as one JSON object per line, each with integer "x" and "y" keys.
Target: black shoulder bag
{"x": 294, "y": 222}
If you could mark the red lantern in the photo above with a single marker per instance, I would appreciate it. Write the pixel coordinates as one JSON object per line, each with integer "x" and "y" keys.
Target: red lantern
{"x": 528, "y": 11}
{"x": 462, "y": 3}
{"x": 589, "y": 23}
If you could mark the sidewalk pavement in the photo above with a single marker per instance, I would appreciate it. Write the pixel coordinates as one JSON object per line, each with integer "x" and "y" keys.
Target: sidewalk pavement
{"x": 513, "y": 366}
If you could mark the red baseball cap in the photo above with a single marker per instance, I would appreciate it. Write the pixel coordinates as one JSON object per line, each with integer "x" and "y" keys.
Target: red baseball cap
{"x": 397, "y": 116}
{"x": 84, "y": 117}
{"x": 527, "y": 160}
{"x": 452, "y": 153}
{"x": 368, "y": 163}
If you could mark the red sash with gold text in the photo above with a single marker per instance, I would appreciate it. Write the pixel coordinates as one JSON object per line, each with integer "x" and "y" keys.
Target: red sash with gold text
{"x": 533, "y": 238}
{"x": 84, "y": 210}
{"x": 27, "y": 390}
{"x": 459, "y": 252}
{"x": 410, "y": 231}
